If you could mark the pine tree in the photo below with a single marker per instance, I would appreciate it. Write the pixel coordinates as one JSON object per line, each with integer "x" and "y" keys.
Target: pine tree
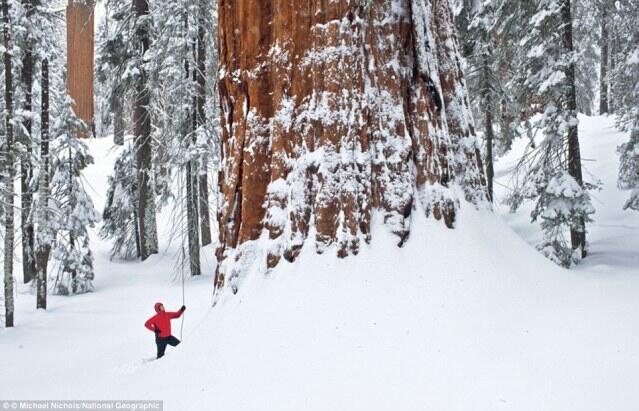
{"x": 119, "y": 217}
{"x": 74, "y": 210}
{"x": 550, "y": 174}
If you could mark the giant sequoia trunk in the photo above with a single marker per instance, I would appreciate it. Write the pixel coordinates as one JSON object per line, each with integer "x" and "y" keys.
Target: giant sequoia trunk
{"x": 332, "y": 110}
{"x": 80, "y": 55}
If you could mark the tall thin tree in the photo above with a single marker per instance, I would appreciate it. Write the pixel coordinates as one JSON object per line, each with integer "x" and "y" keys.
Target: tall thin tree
{"x": 26, "y": 167}
{"x": 205, "y": 215}
{"x": 578, "y": 229}
{"x": 143, "y": 141}
{"x": 10, "y": 172}
{"x": 192, "y": 173}
{"x": 44, "y": 236}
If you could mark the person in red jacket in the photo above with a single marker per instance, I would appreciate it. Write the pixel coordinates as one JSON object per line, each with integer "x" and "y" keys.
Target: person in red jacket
{"x": 160, "y": 324}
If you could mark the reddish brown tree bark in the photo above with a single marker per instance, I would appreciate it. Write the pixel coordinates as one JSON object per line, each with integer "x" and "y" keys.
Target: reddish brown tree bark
{"x": 80, "y": 57}
{"x": 331, "y": 110}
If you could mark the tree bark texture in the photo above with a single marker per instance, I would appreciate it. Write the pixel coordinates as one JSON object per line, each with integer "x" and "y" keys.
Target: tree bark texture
{"x": 143, "y": 142}
{"x": 332, "y": 110}
{"x": 26, "y": 167}
{"x": 44, "y": 245}
{"x": 192, "y": 180}
{"x": 10, "y": 172}
{"x": 80, "y": 56}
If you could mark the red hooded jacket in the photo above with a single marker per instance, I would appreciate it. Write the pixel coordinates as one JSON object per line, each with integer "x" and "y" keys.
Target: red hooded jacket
{"x": 162, "y": 321}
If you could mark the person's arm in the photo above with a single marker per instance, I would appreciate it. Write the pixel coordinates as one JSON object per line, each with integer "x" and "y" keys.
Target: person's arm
{"x": 150, "y": 324}
{"x": 177, "y": 314}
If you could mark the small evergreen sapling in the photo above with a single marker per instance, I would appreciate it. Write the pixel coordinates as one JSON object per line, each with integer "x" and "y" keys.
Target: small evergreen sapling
{"x": 73, "y": 208}
{"x": 561, "y": 203}
{"x": 119, "y": 219}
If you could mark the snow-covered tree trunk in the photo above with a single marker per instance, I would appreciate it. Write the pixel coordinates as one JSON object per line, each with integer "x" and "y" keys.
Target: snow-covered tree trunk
{"x": 80, "y": 56}
{"x": 143, "y": 141}
{"x": 330, "y": 111}
{"x": 26, "y": 167}
{"x": 578, "y": 230}
{"x": 9, "y": 164}
{"x": 45, "y": 236}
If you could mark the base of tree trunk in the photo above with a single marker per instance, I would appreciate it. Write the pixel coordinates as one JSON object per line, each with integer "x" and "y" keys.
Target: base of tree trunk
{"x": 329, "y": 115}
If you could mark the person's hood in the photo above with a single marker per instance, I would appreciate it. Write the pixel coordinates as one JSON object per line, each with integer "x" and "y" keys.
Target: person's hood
{"x": 157, "y": 307}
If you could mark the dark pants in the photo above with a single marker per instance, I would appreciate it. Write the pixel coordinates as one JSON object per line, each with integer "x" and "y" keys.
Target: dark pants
{"x": 161, "y": 342}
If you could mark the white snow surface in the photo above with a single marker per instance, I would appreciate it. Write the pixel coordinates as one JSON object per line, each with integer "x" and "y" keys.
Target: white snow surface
{"x": 466, "y": 319}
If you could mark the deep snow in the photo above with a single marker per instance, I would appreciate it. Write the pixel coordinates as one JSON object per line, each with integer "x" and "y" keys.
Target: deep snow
{"x": 469, "y": 319}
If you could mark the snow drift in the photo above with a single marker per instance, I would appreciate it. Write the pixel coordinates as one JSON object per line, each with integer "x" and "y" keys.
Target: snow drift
{"x": 466, "y": 319}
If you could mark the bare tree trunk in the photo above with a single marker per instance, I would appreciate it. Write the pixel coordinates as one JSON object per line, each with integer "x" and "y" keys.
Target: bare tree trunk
{"x": 330, "y": 112}
{"x": 9, "y": 170}
{"x": 205, "y": 214}
{"x": 80, "y": 56}
{"x": 192, "y": 185}
{"x": 44, "y": 247}
{"x": 490, "y": 134}
{"x": 119, "y": 124}
{"x": 143, "y": 143}
{"x": 614, "y": 49}
{"x": 578, "y": 231}
{"x": 192, "y": 218}
{"x": 603, "y": 80}
{"x": 26, "y": 168}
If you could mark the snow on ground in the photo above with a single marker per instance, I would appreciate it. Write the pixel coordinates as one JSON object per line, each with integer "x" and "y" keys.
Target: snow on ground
{"x": 470, "y": 319}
